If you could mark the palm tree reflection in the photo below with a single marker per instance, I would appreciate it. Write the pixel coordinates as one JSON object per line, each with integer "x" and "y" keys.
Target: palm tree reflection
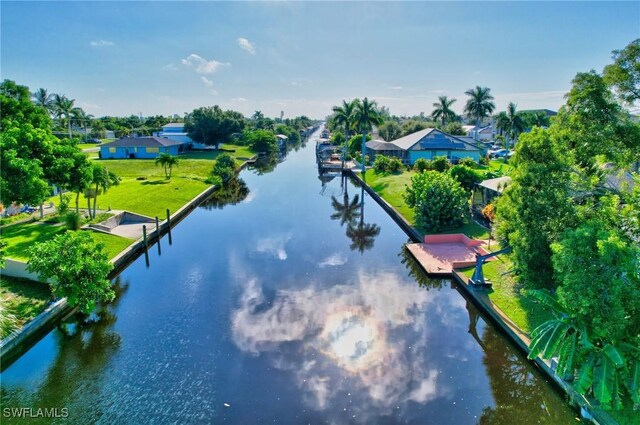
{"x": 362, "y": 235}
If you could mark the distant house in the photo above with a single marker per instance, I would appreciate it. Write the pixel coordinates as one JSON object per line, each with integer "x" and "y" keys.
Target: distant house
{"x": 141, "y": 148}
{"x": 175, "y": 131}
{"x": 282, "y": 140}
{"x": 484, "y": 133}
{"x": 428, "y": 143}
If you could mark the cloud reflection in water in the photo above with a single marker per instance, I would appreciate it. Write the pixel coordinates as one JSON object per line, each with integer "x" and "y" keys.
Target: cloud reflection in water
{"x": 368, "y": 338}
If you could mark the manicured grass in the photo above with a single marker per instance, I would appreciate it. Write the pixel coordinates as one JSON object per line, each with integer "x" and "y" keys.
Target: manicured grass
{"x": 22, "y": 300}
{"x": 187, "y": 168}
{"x": 508, "y": 294}
{"x": 113, "y": 245}
{"x": 88, "y": 145}
{"x": 392, "y": 187}
{"x": 13, "y": 218}
{"x": 149, "y": 197}
{"x": 21, "y": 237}
{"x": 238, "y": 152}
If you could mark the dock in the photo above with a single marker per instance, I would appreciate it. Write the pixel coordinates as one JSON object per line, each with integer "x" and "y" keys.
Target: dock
{"x": 440, "y": 254}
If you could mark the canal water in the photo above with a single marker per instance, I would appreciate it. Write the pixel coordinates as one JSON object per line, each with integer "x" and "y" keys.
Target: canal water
{"x": 283, "y": 300}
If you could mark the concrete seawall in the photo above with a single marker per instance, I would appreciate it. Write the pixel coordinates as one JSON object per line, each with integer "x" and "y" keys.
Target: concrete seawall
{"x": 13, "y": 346}
{"x": 481, "y": 300}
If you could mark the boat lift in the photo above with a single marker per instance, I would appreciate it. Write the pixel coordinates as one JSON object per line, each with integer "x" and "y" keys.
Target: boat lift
{"x": 478, "y": 279}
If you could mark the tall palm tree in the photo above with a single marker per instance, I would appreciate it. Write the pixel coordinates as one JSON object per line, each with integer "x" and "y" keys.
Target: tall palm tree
{"x": 64, "y": 109}
{"x": 83, "y": 118}
{"x": 42, "y": 98}
{"x": 366, "y": 115}
{"x": 443, "y": 110}
{"x": 479, "y": 105}
{"x": 511, "y": 123}
{"x": 103, "y": 179}
{"x": 167, "y": 161}
{"x": 344, "y": 117}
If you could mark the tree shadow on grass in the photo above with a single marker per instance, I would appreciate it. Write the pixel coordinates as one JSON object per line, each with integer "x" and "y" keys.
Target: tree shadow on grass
{"x": 154, "y": 182}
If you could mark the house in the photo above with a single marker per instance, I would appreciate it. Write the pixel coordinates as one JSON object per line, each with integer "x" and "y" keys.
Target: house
{"x": 485, "y": 191}
{"x": 141, "y": 148}
{"x": 282, "y": 140}
{"x": 428, "y": 143}
{"x": 175, "y": 131}
{"x": 484, "y": 133}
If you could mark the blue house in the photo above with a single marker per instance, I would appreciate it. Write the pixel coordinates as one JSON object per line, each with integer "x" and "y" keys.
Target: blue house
{"x": 141, "y": 148}
{"x": 175, "y": 131}
{"x": 428, "y": 143}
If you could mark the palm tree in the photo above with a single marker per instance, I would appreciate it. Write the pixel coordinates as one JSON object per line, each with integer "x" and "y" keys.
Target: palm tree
{"x": 343, "y": 116}
{"x": 64, "y": 108}
{"x": 366, "y": 116}
{"x": 103, "y": 179}
{"x": 479, "y": 105}
{"x": 363, "y": 234}
{"x": 83, "y": 118}
{"x": 443, "y": 110}
{"x": 347, "y": 211}
{"x": 511, "y": 123}
{"x": 42, "y": 98}
{"x": 167, "y": 161}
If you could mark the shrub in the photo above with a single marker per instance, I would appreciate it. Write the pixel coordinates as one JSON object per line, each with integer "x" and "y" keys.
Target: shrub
{"x": 422, "y": 164}
{"x": 441, "y": 163}
{"x": 63, "y": 207}
{"x": 381, "y": 164}
{"x": 73, "y": 220}
{"x": 484, "y": 160}
{"x": 469, "y": 162}
{"x": 224, "y": 167}
{"x": 438, "y": 200}
{"x": 395, "y": 165}
{"x": 466, "y": 176}
{"x": 489, "y": 212}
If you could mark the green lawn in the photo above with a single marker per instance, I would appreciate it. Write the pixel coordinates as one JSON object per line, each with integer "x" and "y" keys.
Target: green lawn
{"x": 21, "y": 237}
{"x": 239, "y": 152}
{"x": 392, "y": 187}
{"x": 22, "y": 300}
{"x": 88, "y": 145}
{"x": 507, "y": 294}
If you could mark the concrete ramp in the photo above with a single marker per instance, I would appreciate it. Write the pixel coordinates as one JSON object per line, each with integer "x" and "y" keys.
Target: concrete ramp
{"x": 125, "y": 224}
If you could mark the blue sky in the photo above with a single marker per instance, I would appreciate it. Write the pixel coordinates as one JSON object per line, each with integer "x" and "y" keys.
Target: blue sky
{"x": 124, "y": 58}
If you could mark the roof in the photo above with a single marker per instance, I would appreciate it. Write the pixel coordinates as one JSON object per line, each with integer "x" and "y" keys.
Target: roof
{"x": 497, "y": 185}
{"x": 431, "y": 139}
{"x": 381, "y": 145}
{"x": 281, "y": 136}
{"x": 151, "y": 142}
{"x": 174, "y": 125}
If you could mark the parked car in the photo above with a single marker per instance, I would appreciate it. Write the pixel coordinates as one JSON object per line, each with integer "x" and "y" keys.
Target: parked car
{"x": 94, "y": 141}
{"x": 500, "y": 153}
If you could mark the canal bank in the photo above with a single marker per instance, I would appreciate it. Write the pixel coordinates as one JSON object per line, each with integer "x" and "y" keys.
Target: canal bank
{"x": 518, "y": 337}
{"x": 289, "y": 300}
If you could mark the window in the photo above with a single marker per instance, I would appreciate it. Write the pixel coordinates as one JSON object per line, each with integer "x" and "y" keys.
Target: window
{"x": 112, "y": 150}
{"x": 153, "y": 150}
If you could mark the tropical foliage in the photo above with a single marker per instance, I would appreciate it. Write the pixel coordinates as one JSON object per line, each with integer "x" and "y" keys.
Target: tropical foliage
{"x": 438, "y": 200}
{"x": 442, "y": 110}
{"x": 167, "y": 161}
{"x": 479, "y": 105}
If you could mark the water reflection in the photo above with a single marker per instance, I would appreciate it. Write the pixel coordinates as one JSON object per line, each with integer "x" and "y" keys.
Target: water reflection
{"x": 232, "y": 192}
{"x": 268, "y": 163}
{"x": 417, "y": 273}
{"x": 91, "y": 343}
{"x": 362, "y": 235}
{"x": 367, "y": 339}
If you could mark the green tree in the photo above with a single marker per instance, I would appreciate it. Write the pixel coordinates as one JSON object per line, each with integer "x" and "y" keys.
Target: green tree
{"x": 26, "y": 147}
{"x": 440, "y": 164}
{"x": 466, "y": 176}
{"x": 535, "y": 208}
{"x": 439, "y": 202}
{"x": 411, "y": 126}
{"x": 366, "y": 116}
{"x": 624, "y": 73}
{"x": 390, "y": 130}
{"x": 64, "y": 109}
{"x": 454, "y": 128}
{"x": 167, "y": 161}
{"x": 212, "y": 126}
{"x": 225, "y": 166}
{"x": 479, "y": 105}
{"x": 260, "y": 140}
{"x": 77, "y": 267}
{"x": 442, "y": 110}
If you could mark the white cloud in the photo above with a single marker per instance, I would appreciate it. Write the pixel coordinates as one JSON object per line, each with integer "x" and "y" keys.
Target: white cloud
{"x": 395, "y": 87}
{"x": 207, "y": 82}
{"x": 238, "y": 99}
{"x": 247, "y": 45}
{"x": 333, "y": 260}
{"x": 274, "y": 245}
{"x": 201, "y": 65}
{"x": 101, "y": 43}
{"x": 170, "y": 67}
{"x": 297, "y": 84}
